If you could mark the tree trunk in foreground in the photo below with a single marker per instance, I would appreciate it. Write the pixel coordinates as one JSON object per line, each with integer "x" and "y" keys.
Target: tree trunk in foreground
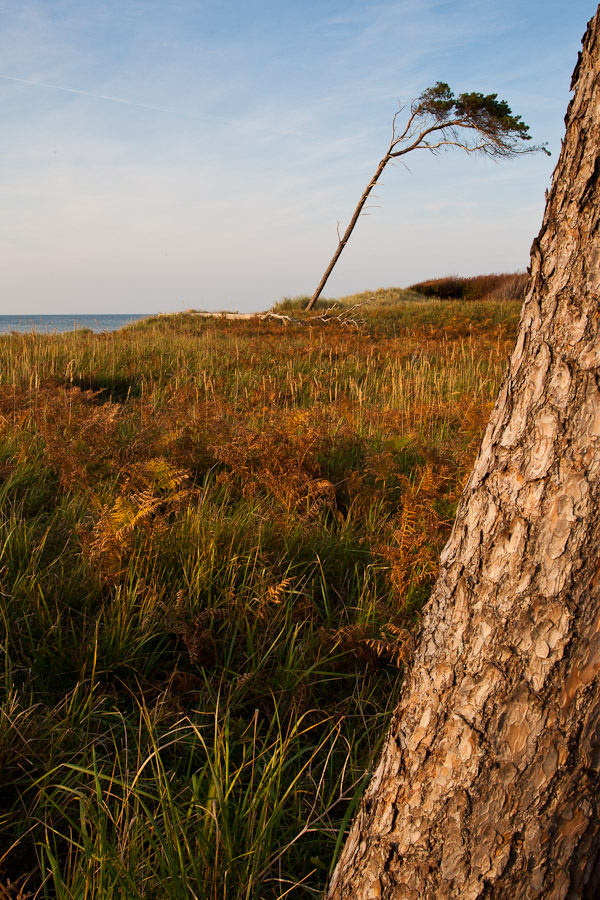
{"x": 488, "y": 784}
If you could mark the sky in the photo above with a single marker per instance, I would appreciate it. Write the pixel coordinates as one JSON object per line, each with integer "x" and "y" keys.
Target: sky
{"x": 158, "y": 156}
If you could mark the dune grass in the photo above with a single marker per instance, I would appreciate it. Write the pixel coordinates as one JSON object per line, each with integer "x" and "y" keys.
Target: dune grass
{"x": 215, "y": 539}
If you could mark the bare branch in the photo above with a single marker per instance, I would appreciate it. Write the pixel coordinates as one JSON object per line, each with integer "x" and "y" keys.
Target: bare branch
{"x": 331, "y": 314}
{"x": 343, "y": 317}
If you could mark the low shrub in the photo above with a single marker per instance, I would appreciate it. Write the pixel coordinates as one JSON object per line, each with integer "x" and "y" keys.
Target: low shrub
{"x": 503, "y": 286}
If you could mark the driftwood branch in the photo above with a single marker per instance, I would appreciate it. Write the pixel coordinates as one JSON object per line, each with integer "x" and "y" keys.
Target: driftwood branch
{"x": 330, "y": 314}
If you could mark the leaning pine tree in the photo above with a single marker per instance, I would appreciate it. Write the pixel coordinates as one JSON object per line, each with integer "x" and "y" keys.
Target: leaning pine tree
{"x": 488, "y": 785}
{"x": 476, "y": 123}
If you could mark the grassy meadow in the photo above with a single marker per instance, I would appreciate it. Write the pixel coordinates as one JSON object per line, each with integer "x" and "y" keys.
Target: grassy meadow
{"x": 215, "y": 540}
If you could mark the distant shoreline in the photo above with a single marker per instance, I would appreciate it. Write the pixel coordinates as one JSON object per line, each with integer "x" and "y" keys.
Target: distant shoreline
{"x": 57, "y": 323}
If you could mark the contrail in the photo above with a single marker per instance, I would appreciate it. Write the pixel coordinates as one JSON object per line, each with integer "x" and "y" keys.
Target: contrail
{"x": 207, "y": 117}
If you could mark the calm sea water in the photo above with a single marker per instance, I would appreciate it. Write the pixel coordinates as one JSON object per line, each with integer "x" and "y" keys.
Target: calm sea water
{"x": 50, "y": 324}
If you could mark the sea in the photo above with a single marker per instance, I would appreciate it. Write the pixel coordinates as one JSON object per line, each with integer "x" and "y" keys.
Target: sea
{"x": 56, "y": 323}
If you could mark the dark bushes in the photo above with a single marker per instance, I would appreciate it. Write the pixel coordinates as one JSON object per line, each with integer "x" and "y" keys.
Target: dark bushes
{"x": 503, "y": 286}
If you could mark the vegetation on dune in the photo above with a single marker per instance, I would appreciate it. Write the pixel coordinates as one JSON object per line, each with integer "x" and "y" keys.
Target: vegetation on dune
{"x": 504, "y": 286}
{"x": 215, "y": 538}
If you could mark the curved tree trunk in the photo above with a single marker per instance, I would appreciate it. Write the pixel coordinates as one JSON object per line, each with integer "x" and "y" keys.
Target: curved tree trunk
{"x": 488, "y": 785}
{"x": 347, "y": 234}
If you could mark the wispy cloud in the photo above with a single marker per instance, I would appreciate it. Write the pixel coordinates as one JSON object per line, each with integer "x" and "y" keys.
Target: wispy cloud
{"x": 204, "y": 117}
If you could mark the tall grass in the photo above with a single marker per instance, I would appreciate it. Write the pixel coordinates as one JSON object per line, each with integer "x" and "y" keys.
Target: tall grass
{"x": 215, "y": 539}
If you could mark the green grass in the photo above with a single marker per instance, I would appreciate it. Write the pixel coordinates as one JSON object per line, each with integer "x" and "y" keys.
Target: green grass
{"x": 215, "y": 539}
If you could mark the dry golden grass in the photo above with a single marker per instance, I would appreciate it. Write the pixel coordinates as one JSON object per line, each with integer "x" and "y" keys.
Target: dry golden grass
{"x": 215, "y": 539}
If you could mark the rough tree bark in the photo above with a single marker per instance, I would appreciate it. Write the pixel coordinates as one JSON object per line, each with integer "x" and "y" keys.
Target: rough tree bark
{"x": 488, "y": 784}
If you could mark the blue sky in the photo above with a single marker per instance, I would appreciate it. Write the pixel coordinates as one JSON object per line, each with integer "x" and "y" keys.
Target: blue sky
{"x": 157, "y": 156}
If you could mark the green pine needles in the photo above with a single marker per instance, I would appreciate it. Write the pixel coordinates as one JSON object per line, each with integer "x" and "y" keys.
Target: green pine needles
{"x": 497, "y": 131}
